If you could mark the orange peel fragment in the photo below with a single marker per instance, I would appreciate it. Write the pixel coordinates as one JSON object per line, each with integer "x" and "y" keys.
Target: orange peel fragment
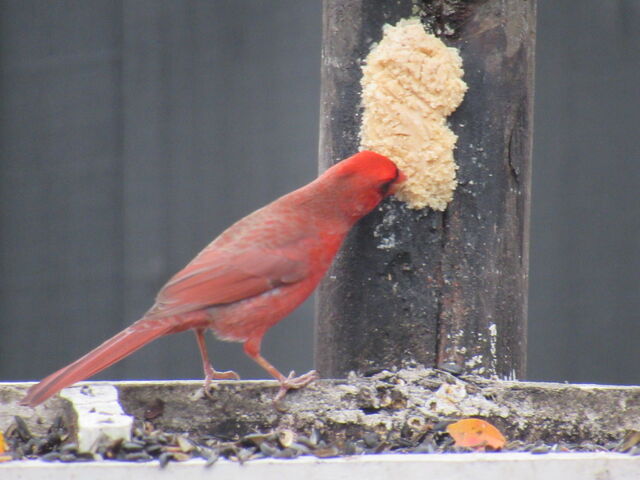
{"x": 477, "y": 434}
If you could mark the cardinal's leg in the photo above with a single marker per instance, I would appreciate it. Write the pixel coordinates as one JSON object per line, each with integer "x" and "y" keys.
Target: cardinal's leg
{"x": 252, "y": 348}
{"x": 209, "y": 372}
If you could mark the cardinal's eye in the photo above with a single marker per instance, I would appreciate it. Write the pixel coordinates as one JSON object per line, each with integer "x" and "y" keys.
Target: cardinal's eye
{"x": 384, "y": 188}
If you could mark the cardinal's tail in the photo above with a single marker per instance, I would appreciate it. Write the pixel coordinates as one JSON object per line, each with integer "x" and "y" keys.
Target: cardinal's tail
{"x": 116, "y": 348}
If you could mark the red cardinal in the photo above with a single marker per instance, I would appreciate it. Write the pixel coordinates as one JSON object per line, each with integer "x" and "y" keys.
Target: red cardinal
{"x": 251, "y": 276}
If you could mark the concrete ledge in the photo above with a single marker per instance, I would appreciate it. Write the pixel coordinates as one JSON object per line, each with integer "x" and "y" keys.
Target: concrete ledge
{"x": 568, "y": 466}
{"x": 394, "y": 405}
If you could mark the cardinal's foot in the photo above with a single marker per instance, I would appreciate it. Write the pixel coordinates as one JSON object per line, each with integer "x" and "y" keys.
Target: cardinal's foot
{"x": 228, "y": 375}
{"x": 293, "y": 383}
{"x": 215, "y": 375}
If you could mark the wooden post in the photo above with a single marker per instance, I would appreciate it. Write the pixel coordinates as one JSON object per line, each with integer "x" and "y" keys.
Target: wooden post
{"x": 452, "y": 291}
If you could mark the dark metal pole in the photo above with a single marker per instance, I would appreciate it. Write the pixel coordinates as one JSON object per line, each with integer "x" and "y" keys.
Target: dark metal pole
{"x": 452, "y": 291}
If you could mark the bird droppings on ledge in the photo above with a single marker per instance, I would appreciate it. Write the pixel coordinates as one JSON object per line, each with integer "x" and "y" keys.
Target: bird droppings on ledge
{"x": 404, "y": 411}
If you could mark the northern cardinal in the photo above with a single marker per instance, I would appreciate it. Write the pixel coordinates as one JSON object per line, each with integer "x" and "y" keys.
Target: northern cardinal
{"x": 251, "y": 276}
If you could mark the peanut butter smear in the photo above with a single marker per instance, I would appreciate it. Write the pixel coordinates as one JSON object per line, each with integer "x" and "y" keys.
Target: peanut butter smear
{"x": 411, "y": 82}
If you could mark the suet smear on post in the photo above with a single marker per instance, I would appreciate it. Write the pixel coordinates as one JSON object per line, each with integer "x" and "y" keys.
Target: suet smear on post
{"x": 411, "y": 82}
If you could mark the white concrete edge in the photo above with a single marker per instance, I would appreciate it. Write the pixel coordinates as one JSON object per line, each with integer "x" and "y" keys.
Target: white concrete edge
{"x": 188, "y": 382}
{"x": 198, "y": 382}
{"x": 584, "y": 386}
{"x": 477, "y": 466}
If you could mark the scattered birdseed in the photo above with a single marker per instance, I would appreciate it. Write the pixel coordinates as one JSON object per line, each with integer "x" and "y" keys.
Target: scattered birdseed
{"x": 420, "y": 433}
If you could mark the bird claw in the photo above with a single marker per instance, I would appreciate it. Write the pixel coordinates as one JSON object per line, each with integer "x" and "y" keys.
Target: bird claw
{"x": 293, "y": 383}
{"x": 215, "y": 375}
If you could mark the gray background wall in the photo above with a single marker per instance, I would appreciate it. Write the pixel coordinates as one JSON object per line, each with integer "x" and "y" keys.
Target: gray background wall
{"x": 133, "y": 132}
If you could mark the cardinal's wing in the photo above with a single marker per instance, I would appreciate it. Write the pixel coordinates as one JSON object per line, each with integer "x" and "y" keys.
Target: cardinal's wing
{"x": 218, "y": 277}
